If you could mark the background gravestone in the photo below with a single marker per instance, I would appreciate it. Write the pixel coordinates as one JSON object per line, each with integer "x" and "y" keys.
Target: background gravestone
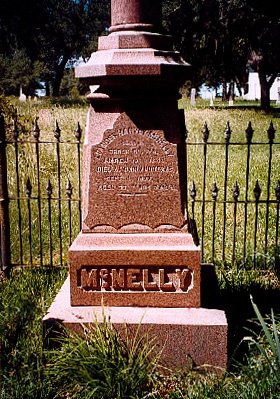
{"x": 134, "y": 254}
{"x": 193, "y": 93}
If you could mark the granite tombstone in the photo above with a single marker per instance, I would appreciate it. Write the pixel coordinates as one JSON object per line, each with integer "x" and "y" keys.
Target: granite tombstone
{"x": 135, "y": 259}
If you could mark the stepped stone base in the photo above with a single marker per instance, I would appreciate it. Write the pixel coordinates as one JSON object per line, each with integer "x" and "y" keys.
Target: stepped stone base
{"x": 195, "y": 336}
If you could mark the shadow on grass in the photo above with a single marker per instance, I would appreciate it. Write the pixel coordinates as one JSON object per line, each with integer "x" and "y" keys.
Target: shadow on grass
{"x": 271, "y": 111}
{"x": 229, "y": 288}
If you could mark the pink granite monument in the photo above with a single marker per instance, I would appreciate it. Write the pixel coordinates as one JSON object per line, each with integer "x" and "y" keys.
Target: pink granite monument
{"x": 134, "y": 258}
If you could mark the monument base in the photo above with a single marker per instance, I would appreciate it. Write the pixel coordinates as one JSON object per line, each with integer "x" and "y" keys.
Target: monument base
{"x": 142, "y": 270}
{"x": 186, "y": 336}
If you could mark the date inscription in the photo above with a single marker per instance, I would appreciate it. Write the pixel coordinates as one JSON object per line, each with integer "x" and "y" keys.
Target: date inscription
{"x": 131, "y": 161}
{"x": 134, "y": 180}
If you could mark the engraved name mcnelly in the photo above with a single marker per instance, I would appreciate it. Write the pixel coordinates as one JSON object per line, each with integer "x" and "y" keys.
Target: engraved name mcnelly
{"x": 169, "y": 279}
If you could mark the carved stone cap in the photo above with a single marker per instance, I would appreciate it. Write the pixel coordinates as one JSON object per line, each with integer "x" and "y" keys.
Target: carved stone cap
{"x": 134, "y": 47}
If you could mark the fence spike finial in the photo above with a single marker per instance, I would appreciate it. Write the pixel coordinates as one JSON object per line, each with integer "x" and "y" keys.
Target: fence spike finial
{"x": 277, "y": 191}
{"x": 192, "y": 190}
{"x": 205, "y": 133}
{"x": 235, "y": 191}
{"x": 186, "y": 133}
{"x": 15, "y": 129}
{"x": 36, "y": 129}
{"x": 69, "y": 189}
{"x": 249, "y": 132}
{"x": 78, "y": 131}
{"x": 49, "y": 188}
{"x": 28, "y": 187}
{"x": 257, "y": 191}
{"x": 214, "y": 191}
{"x": 227, "y": 133}
{"x": 271, "y": 133}
{"x": 57, "y": 130}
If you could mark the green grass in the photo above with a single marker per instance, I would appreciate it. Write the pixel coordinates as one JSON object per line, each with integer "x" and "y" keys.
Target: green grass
{"x": 24, "y": 299}
{"x": 47, "y": 114}
{"x": 104, "y": 364}
{"x": 100, "y": 364}
{"x": 29, "y": 372}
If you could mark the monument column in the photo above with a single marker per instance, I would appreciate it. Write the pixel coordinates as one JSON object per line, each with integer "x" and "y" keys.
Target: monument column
{"x": 140, "y": 15}
{"x": 135, "y": 255}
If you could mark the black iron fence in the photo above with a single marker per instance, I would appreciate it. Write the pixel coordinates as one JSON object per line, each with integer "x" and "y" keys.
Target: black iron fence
{"x": 40, "y": 188}
{"x": 234, "y": 196}
{"x": 237, "y": 198}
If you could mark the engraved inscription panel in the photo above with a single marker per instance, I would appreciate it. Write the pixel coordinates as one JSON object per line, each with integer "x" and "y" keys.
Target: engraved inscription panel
{"x": 140, "y": 279}
{"x": 134, "y": 180}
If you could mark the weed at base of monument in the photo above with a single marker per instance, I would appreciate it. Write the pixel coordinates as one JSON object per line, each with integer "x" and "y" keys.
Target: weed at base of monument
{"x": 267, "y": 343}
{"x": 257, "y": 377}
{"x": 103, "y": 363}
{"x": 260, "y": 377}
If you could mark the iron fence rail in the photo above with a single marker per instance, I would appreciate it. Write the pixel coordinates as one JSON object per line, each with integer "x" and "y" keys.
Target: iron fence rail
{"x": 237, "y": 222}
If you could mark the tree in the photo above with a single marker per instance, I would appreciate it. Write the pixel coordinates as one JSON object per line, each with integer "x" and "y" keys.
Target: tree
{"x": 221, "y": 38}
{"x": 18, "y": 70}
{"x": 18, "y": 58}
{"x": 207, "y": 33}
{"x": 264, "y": 50}
{"x": 70, "y": 30}
{"x": 51, "y": 32}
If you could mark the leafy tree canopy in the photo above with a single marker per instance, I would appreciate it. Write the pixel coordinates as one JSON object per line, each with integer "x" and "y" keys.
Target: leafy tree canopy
{"x": 50, "y": 32}
{"x": 221, "y": 38}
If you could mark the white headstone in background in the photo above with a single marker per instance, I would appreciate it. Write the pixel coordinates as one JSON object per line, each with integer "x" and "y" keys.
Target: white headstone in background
{"x": 193, "y": 92}
{"x": 230, "y": 102}
{"x": 22, "y": 96}
{"x": 211, "y": 100}
{"x": 254, "y": 88}
{"x": 278, "y": 96}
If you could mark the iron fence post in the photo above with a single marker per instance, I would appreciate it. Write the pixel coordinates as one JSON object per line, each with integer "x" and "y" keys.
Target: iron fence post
{"x": 5, "y": 258}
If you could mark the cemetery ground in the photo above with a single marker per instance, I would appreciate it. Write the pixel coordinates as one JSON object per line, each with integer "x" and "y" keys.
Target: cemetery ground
{"x": 103, "y": 366}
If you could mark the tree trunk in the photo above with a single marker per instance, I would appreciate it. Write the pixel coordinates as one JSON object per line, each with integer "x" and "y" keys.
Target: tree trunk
{"x": 224, "y": 94}
{"x": 265, "y": 91}
{"x": 238, "y": 85}
{"x": 47, "y": 86}
{"x": 231, "y": 90}
{"x": 59, "y": 71}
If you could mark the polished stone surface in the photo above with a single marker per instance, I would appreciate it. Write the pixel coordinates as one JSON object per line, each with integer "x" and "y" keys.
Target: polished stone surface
{"x": 134, "y": 260}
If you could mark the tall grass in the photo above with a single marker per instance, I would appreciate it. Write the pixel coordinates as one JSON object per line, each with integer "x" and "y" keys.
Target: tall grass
{"x": 104, "y": 364}
{"x": 24, "y": 299}
{"x": 100, "y": 364}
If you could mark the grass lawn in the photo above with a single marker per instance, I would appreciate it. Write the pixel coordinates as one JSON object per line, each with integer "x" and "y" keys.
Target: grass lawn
{"x": 86, "y": 368}
{"x": 101, "y": 365}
